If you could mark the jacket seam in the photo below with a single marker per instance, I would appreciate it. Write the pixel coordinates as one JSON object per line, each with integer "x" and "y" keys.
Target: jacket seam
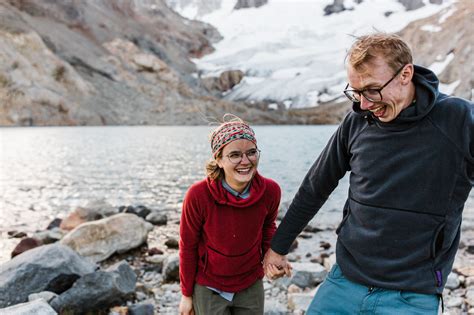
{"x": 446, "y": 136}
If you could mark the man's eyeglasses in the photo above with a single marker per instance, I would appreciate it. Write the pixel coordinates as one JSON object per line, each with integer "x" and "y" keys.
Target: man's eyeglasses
{"x": 372, "y": 95}
{"x": 236, "y": 156}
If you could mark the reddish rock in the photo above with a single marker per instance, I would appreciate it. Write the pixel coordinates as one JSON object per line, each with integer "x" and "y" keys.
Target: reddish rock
{"x": 26, "y": 244}
{"x": 77, "y": 217}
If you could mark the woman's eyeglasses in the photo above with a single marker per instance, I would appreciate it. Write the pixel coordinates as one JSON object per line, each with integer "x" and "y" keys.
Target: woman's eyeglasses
{"x": 237, "y": 156}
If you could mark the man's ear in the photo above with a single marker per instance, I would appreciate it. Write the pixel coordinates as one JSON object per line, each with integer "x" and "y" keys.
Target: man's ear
{"x": 407, "y": 74}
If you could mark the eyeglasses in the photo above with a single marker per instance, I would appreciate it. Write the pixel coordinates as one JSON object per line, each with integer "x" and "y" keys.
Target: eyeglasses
{"x": 372, "y": 95}
{"x": 236, "y": 156}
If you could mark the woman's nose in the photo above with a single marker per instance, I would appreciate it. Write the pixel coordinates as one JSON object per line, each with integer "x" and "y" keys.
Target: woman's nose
{"x": 245, "y": 159}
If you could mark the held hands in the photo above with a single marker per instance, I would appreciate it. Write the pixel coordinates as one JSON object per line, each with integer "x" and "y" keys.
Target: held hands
{"x": 276, "y": 265}
{"x": 186, "y": 306}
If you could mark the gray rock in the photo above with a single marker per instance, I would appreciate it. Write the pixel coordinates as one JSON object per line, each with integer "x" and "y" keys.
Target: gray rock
{"x": 336, "y": 7}
{"x": 242, "y": 4}
{"x": 172, "y": 243}
{"x": 308, "y": 274}
{"x": 141, "y": 309}
{"x": 455, "y": 301}
{"x": 45, "y": 295}
{"x": 274, "y": 307}
{"x": 50, "y": 236}
{"x": 32, "y": 271}
{"x": 299, "y": 301}
{"x": 157, "y": 218}
{"x": 412, "y": 4}
{"x": 453, "y": 281}
{"x": 470, "y": 296}
{"x": 37, "y": 307}
{"x": 171, "y": 268}
{"x": 98, "y": 290}
{"x": 436, "y": 1}
{"x": 98, "y": 240}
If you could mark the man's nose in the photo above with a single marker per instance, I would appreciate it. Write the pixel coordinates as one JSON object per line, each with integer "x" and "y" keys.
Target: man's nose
{"x": 364, "y": 103}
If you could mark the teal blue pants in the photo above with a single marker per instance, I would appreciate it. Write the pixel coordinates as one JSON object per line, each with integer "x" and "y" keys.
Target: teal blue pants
{"x": 339, "y": 296}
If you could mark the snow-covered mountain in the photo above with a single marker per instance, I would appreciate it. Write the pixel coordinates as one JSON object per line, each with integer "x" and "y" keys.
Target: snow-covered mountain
{"x": 292, "y": 52}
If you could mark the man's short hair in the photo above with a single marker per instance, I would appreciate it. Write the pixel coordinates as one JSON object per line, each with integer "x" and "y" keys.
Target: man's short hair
{"x": 390, "y": 47}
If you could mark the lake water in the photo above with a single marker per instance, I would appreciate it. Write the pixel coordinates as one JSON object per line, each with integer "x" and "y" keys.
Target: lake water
{"x": 45, "y": 172}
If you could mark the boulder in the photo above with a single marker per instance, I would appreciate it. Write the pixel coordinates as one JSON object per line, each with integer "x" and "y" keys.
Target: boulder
{"x": 94, "y": 210}
{"x": 411, "y": 5}
{"x": 16, "y": 234}
{"x": 336, "y": 7}
{"x": 141, "y": 309}
{"x": 25, "y": 245}
{"x": 98, "y": 240}
{"x": 45, "y": 295}
{"x": 148, "y": 62}
{"x": 32, "y": 271}
{"x": 243, "y": 4}
{"x": 140, "y": 211}
{"x": 308, "y": 274}
{"x": 54, "y": 224}
{"x": 98, "y": 290}
{"x": 171, "y": 268}
{"x": 453, "y": 281}
{"x": 36, "y": 307}
{"x": 50, "y": 236}
{"x": 172, "y": 243}
{"x": 157, "y": 218}
{"x": 273, "y": 307}
{"x": 229, "y": 79}
{"x": 299, "y": 301}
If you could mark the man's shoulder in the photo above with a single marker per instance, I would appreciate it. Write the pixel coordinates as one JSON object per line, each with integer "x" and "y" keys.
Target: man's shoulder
{"x": 446, "y": 104}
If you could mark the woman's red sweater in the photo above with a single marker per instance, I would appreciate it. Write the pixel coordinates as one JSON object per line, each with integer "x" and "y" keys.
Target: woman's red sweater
{"x": 223, "y": 238}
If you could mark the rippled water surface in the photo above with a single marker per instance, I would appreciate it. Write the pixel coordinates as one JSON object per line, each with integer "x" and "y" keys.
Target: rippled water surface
{"x": 46, "y": 172}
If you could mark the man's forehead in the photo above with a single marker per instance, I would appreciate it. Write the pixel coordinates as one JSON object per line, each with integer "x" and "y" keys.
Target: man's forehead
{"x": 366, "y": 75}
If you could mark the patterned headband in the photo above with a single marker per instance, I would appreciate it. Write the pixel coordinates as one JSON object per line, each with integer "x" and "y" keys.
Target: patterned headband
{"x": 228, "y": 132}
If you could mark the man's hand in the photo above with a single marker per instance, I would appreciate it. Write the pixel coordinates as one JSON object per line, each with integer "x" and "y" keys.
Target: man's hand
{"x": 186, "y": 306}
{"x": 276, "y": 265}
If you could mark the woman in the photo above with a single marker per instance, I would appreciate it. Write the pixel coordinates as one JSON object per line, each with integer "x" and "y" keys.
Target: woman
{"x": 226, "y": 226}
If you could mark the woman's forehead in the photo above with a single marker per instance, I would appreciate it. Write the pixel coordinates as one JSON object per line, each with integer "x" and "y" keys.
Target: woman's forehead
{"x": 239, "y": 145}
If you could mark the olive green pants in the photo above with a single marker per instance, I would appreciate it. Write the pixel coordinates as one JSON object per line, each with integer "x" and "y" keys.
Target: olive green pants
{"x": 246, "y": 302}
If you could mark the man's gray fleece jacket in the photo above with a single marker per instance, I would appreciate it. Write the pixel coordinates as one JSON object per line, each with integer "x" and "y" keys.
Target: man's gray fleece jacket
{"x": 409, "y": 181}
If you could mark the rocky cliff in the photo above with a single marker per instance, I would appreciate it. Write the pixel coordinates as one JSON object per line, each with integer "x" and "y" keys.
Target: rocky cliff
{"x": 103, "y": 62}
{"x": 447, "y": 37}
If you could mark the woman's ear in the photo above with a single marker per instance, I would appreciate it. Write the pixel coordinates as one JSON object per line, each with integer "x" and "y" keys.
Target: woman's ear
{"x": 407, "y": 74}
{"x": 219, "y": 162}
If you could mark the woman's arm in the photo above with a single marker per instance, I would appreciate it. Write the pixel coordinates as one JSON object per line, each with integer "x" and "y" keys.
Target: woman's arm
{"x": 190, "y": 231}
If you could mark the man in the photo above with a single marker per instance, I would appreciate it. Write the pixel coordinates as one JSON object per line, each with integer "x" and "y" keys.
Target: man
{"x": 410, "y": 153}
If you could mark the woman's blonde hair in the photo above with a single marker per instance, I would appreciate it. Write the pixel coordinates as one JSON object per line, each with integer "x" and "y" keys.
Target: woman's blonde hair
{"x": 213, "y": 171}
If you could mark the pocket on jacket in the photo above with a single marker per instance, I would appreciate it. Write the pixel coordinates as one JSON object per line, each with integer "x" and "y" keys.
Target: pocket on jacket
{"x": 344, "y": 219}
{"x": 231, "y": 265}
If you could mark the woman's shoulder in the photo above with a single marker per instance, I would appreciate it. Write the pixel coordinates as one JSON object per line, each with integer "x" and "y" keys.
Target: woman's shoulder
{"x": 197, "y": 189}
{"x": 271, "y": 184}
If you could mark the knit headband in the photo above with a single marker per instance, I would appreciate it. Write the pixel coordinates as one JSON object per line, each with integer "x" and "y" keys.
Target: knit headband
{"x": 228, "y": 132}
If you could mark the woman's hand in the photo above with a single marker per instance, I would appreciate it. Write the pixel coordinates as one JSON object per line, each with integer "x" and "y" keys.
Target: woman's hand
{"x": 276, "y": 265}
{"x": 186, "y": 306}
{"x": 272, "y": 272}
